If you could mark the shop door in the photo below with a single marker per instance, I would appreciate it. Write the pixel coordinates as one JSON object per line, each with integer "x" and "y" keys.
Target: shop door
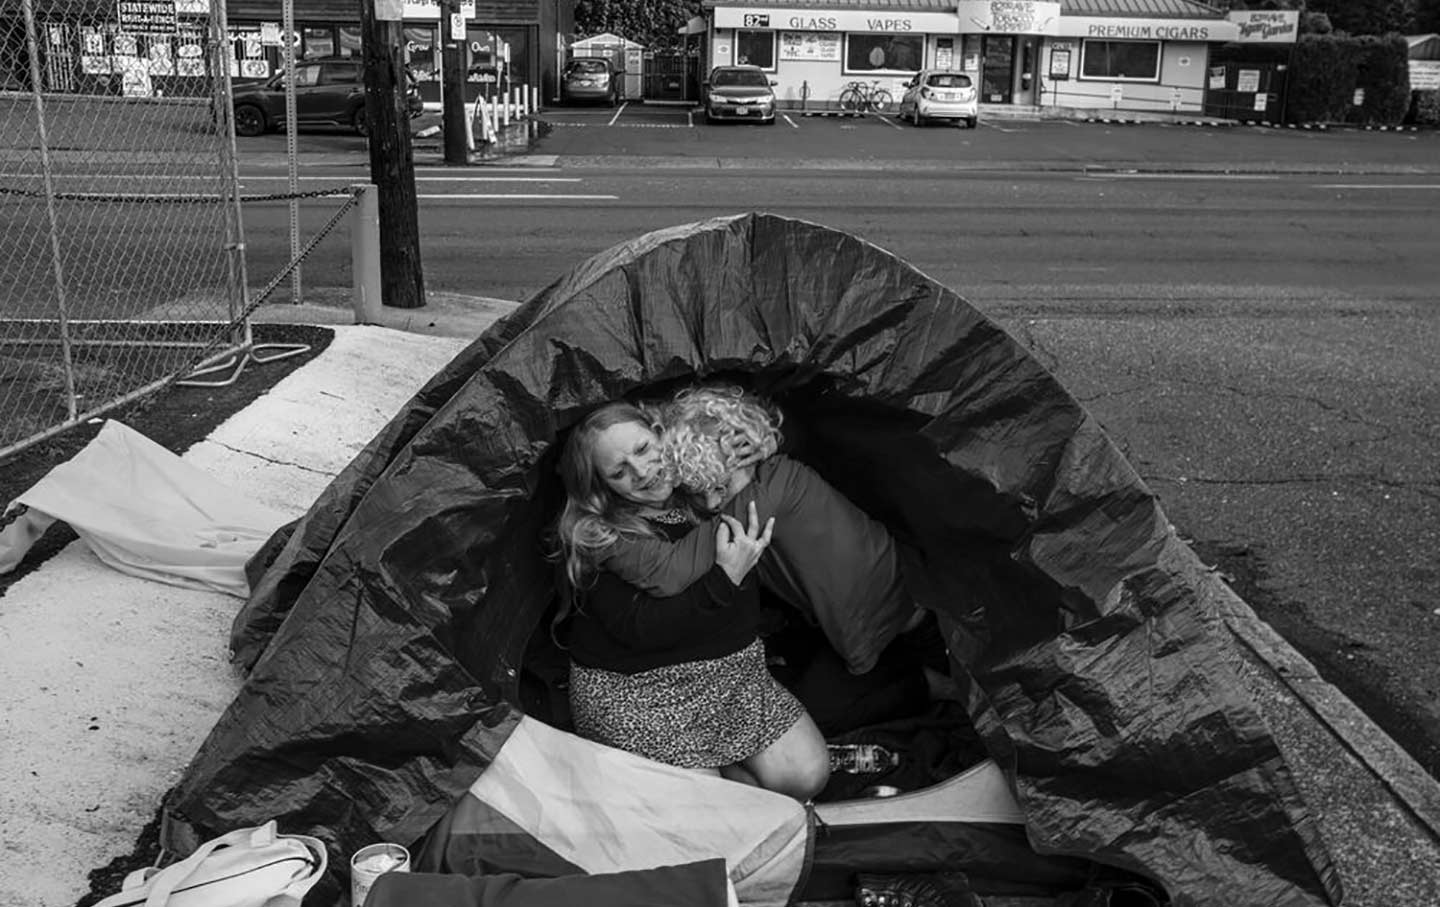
{"x": 1025, "y": 80}
{"x": 997, "y": 69}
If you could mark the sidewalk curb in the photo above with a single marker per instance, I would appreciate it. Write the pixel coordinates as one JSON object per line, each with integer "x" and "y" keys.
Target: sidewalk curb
{"x": 1396, "y": 769}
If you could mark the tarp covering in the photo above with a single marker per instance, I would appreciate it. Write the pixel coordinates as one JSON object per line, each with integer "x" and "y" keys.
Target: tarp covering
{"x": 146, "y": 512}
{"x": 386, "y": 637}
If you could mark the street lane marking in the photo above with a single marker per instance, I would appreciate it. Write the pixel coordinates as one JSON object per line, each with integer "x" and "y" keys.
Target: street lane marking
{"x": 438, "y": 179}
{"x": 522, "y": 197}
{"x": 793, "y": 124}
{"x": 1377, "y": 186}
{"x": 619, "y": 111}
{"x": 690, "y": 119}
{"x": 887, "y": 121}
{"x": 1104, "y": 177}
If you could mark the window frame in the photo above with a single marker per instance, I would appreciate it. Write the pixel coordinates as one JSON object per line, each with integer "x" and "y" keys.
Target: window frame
{"x": 1085, "y": 43}
{"x": 774, "y": 47}
{"x": 845, "y": 54}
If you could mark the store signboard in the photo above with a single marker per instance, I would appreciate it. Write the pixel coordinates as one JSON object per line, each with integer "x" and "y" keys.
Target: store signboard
{"x": 1113, "y": 29}
{"x": 836, "y": 20}
{"x": 420, "y": 9}
{"x": 1279, "y": 26}
{"x": 1424, "y": 75}
{"x": 810, "y": 45}
{"x": 1009, "y": 17}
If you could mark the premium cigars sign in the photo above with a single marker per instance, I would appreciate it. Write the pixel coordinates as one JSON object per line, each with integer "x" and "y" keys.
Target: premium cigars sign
{"x": 1127, "y": 29}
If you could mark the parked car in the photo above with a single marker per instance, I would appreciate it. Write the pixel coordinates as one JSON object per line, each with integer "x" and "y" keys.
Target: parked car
{"x": 589, "y": 79}
{"x": 937, "y": 94}
{"x": 328, "y": 92}
{"x": 739, "y": 93}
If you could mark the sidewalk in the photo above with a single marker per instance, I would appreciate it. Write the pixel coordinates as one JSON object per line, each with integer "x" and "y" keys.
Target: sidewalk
{"x": 110, "y": 682}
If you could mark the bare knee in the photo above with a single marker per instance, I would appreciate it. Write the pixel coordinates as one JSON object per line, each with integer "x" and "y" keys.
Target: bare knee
{"x": 797, "y": 765}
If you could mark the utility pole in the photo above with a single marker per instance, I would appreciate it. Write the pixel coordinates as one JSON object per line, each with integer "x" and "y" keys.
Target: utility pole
{"x": 452, "y": 63}
{"x": 392, "y": 165}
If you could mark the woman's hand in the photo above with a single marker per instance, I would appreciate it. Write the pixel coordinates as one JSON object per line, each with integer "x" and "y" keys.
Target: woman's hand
{"x": 744, "y": 450}
{"x": 738, "y": 548}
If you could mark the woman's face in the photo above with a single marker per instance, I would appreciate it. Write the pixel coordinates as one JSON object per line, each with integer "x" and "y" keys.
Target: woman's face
{"x": 627, "y": 458}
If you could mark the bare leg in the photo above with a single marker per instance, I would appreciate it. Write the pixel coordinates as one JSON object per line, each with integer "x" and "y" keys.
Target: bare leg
{"x": 738, "y": 772}
{"x": 798, "y": 764}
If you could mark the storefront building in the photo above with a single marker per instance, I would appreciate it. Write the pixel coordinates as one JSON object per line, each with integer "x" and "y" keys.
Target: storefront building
{"x": 1094, "y": 54}
{"x": 508, "y": 42}
{"x": 86, "y": 50}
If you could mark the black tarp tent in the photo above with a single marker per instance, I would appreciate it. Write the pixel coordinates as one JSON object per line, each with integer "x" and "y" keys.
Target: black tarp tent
{"x": 386, "y": 631}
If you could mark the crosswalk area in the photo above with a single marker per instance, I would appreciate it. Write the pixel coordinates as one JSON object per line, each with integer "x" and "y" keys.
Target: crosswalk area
{"x": 444, "y": 184}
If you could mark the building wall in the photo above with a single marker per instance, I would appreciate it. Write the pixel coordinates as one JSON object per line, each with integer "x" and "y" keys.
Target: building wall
{"x": 1180, "y": 86}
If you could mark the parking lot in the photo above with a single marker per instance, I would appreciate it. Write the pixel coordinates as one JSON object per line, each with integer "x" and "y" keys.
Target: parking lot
{"x": 632, "y": 127}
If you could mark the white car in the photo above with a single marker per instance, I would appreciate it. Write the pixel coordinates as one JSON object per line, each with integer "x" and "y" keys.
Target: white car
{"x": 937, "y": 94}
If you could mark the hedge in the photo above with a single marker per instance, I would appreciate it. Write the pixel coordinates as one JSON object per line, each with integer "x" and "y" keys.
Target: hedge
{"x": 1329, "y": 70}
{"x": 1427, "y": 108}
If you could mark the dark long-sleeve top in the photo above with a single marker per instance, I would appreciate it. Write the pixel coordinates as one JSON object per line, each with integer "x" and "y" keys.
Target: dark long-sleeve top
{"x": 620, "y": 627}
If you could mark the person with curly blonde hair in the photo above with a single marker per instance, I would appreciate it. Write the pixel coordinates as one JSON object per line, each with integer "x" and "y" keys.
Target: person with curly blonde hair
{"x": 827, "y": 557}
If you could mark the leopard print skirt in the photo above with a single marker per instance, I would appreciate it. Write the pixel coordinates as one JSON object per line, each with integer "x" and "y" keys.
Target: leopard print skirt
{"x": 699, "y": 714}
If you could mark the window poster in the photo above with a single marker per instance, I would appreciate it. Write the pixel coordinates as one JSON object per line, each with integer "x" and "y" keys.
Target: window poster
{"x": 944, "y": 53}
{"x": 810, "y": 45}
{"x": 1248, "y": 80}
{"x": 1217, "y": 77}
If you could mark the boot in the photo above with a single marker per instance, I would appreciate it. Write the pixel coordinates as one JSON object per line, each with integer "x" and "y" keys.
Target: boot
{"x": 937, "y": 889}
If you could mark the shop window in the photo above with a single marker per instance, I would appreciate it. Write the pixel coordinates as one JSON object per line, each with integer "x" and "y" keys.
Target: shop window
{"x": 350, "y": 42}
{"x": 884, "y": 53}
{"x": 319, "y": 42}
{"x": 755, "y": 48}
{"x": 420, "y": 54}
{"x": 1137, "y": 61}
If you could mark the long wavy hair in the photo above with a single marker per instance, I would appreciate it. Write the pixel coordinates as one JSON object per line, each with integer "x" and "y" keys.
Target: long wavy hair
{"x": 594, "y": 517}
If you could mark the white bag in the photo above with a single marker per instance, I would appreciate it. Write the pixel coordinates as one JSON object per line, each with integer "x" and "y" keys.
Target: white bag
{"x": 249, "y": 867}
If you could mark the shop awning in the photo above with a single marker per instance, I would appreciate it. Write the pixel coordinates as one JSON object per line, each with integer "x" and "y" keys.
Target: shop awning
{"x": 1146, "y": 9}
{"x": 898, "y": 6}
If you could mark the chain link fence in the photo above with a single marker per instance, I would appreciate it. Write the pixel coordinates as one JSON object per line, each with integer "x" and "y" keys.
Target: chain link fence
{"x": 121, "y": 247}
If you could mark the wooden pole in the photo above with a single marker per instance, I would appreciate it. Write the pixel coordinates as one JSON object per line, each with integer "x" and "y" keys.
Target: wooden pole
{"x": 392, "y": 165}
{"x": 452, "y": 65}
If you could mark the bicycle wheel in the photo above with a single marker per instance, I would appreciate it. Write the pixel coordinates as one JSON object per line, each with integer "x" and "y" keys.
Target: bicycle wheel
{"x": 851, "y": 100}
{"x": 880, "y": 100}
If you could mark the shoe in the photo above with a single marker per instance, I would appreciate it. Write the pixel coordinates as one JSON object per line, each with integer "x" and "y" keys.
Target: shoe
{"x": 938, "y": 889}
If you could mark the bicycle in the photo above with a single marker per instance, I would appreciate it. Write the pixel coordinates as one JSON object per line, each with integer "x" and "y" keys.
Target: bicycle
{"x": 857, "y": 97}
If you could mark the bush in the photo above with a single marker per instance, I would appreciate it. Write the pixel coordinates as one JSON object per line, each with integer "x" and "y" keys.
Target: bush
{"x": 1328, "y": 69}
{"x": 1383, "y": 71}
{"x": 1427, "y": 108}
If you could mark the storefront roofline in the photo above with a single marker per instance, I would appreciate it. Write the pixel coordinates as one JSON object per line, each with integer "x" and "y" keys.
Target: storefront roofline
{"x": 896, "y": 6}
{"x": 1146, "y": 9}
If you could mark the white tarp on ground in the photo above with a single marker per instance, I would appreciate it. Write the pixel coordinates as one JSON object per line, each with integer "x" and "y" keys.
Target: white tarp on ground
{"x": 606, "y": 810}
{"x": 145, "y": 512}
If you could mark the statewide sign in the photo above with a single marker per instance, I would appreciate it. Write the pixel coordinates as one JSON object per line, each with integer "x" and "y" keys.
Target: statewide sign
{"x": 1009, "y": 17}
{"x": 836, "y": 20}
{"x": 1280, "y": 26}
{"x": 1114, "y": 29}
{"x": 147, "y": 17}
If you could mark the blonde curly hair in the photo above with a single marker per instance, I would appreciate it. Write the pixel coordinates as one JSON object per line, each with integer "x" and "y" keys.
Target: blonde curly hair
{"x": 700, "y": 426}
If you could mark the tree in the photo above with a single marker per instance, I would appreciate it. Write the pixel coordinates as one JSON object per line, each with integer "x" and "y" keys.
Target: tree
{"x": 1366, "y": 17}
{"x": 652, "y": 23}
{"x": 1427, "y": 16}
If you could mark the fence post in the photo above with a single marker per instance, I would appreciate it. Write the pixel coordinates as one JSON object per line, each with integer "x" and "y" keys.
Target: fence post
{"x": 365, "y": 254}
{"x": 57, "y": 266}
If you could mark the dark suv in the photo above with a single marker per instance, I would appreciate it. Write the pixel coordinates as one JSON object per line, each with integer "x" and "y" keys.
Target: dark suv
{"x": 328, "y": 92}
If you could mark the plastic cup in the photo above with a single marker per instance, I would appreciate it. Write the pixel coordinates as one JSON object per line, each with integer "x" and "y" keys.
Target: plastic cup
{"x": 372, "y": 861}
